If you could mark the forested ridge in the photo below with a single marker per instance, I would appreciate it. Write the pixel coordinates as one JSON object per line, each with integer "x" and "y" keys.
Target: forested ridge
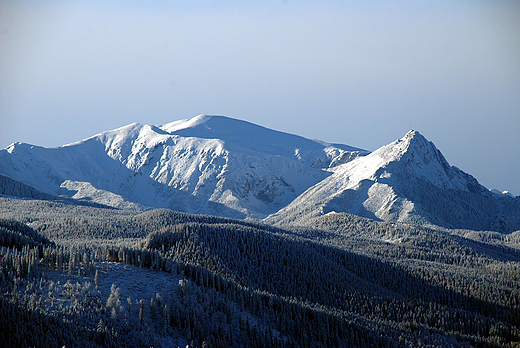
{"x": 343, "y": 281}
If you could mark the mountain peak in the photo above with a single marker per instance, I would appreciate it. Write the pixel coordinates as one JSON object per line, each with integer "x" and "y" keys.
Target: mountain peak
{"x": 241, "y": 134}
{"x": 411, "y": 133}
{"x": 415, "y": 139}
{"x": 414, "y": 156}
{"x": 408, "y": 180}
{"x": 418, "y": 145}
{"x": 230, "y": 167}
{"x": 175, "y": 126}
{"x": 206, "y": 164}
{"x": 411, "y": 147}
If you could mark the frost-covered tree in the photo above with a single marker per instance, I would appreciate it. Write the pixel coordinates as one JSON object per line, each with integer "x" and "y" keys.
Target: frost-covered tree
{"x": 114, "y": 302}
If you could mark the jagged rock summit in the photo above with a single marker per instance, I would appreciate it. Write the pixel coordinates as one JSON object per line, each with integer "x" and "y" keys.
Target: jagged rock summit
{"x": 207, "y": 164}
{"x": 414, "y": 157}
{"x": 408, "y": 181}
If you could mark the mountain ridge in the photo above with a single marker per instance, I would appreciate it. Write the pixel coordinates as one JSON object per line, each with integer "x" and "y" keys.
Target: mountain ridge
{"x": 181, "y": 165}
{"x": 227, "y": 167}
{"x": 408, "y": 181}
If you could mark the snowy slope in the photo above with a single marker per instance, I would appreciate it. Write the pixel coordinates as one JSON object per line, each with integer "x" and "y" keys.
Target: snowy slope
{"x": 410, "y": 181}
{"x": 208, "y": 164}
{"x": 222, "y": 166}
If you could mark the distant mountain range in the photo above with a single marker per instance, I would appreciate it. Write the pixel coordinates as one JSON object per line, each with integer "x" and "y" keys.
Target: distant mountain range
{"x": 222, "y": 166}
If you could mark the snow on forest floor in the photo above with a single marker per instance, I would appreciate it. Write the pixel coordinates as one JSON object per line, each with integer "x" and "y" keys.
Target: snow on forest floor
{"x": 133, "y": 282}
{"x": 136, "y": 283}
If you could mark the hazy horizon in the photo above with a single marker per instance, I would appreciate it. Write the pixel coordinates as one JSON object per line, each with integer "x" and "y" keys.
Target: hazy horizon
{"x": 353, "y": 73}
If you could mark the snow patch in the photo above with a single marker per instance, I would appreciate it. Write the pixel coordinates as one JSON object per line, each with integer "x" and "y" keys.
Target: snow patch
{"x": 503, "y": 193}
{"x": 176, "y": 126}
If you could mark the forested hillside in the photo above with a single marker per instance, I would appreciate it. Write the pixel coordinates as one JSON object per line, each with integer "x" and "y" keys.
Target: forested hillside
{"x": 14, "y": 188}
{"x": 85, "y": 276}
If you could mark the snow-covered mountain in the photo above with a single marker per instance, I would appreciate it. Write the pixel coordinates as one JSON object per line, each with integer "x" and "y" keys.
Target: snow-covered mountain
{"x": 409, "y": 181}
{"x": 227, "y": 167}
{"x": 207, "y": 164}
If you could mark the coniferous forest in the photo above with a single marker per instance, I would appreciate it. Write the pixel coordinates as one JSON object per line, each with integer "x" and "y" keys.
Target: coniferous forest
{"x": 88, "y": 276}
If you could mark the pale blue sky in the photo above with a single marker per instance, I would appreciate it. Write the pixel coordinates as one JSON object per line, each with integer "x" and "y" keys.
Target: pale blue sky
{"x": 340, "y": 71}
